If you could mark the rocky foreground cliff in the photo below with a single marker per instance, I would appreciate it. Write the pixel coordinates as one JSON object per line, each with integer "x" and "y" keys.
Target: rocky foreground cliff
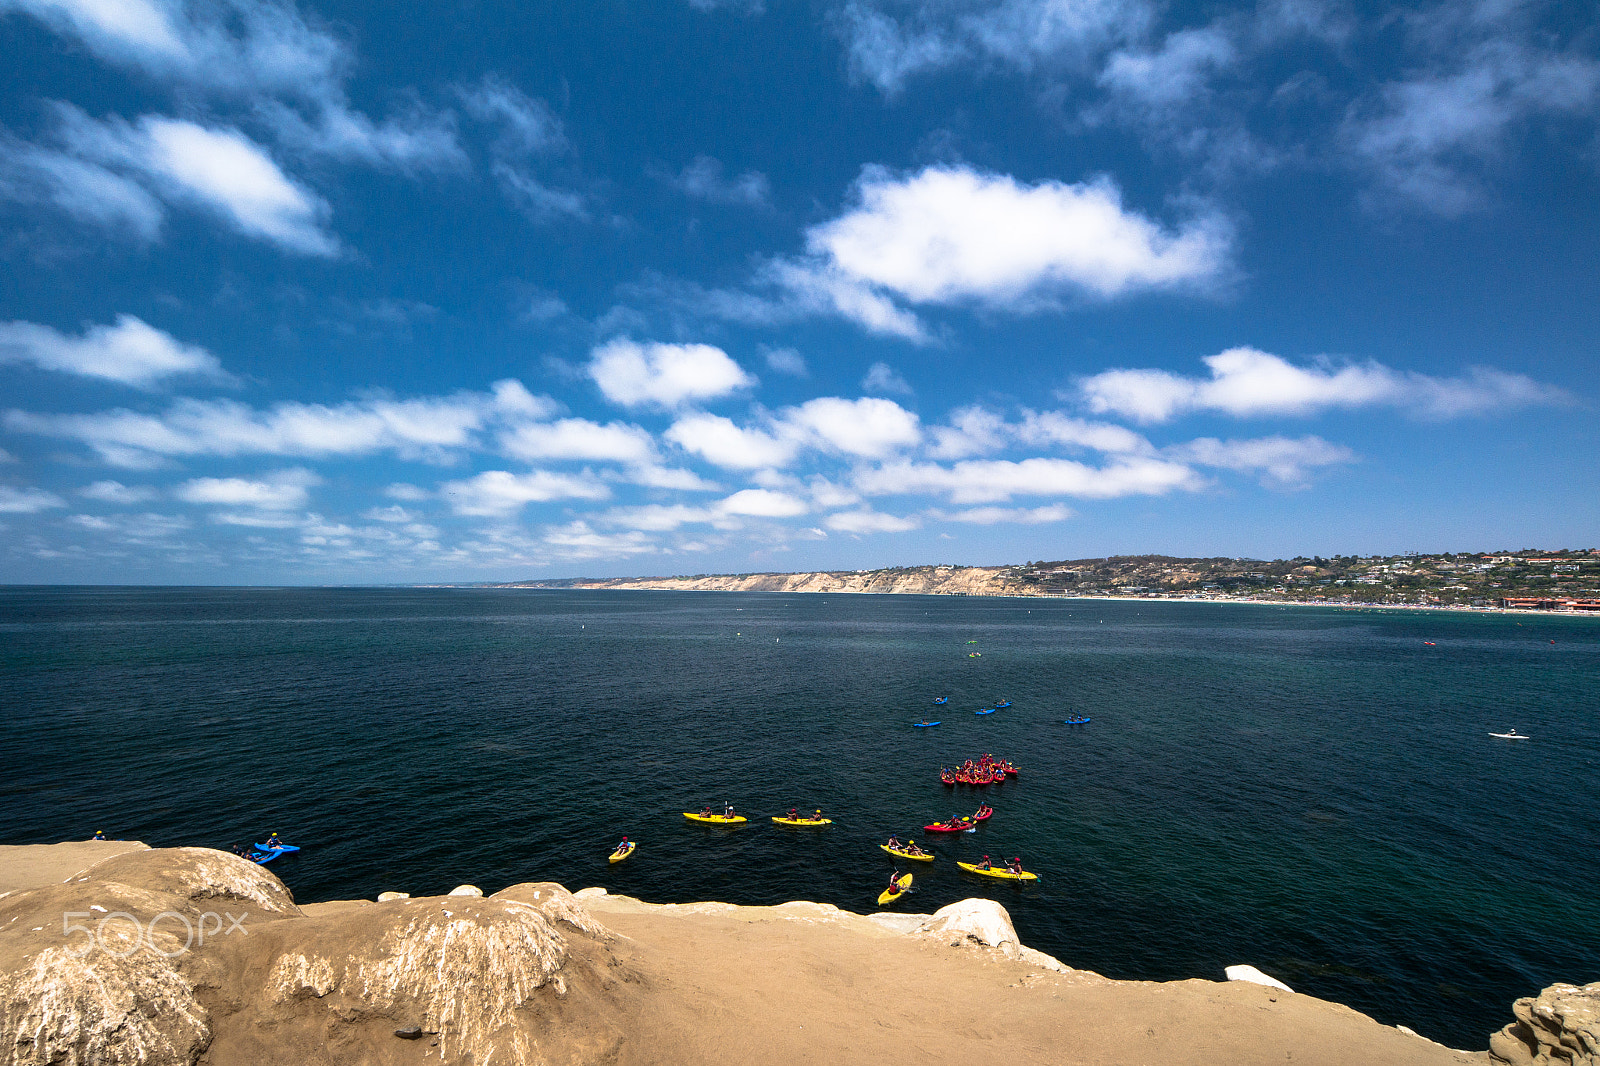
{"x": 192, "y": 956}
{"x": 919, "y": 580}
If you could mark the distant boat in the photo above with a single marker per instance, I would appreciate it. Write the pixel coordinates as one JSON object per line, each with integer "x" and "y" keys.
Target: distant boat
{"x": 941, "y": 699}
{"x": 1513, "y": 735}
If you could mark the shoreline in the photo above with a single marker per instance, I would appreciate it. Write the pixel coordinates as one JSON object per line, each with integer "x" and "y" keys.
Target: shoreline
{"x": 1350, "y": 605}
{"x": 533, "y": 971}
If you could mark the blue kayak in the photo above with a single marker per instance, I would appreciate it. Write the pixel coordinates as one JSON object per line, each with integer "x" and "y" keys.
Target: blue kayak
{"x": 1002, "y": 706}
{"x": 276, "y": 847}
{"x": 924, "y": 725}
{"x": 1077, "y": 721}
{"x": 263, "y": 857}
{"x": 991, "y": 710}
{"x": 942, "y": 699}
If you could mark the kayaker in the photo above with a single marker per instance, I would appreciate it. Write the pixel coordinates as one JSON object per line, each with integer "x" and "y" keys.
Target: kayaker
{"x": 1015, "y": 865}
{"x": 99, "y": 834}
{"x": 894, "y": 842}
{"x": 705, "y": 812}
{"x": 622, "y": 848}
{"x": 818, "y": 816}
{"x": 727, "y": 810}
{"x": 894, "y": 883}
{"x": 273, "y": 841}
{"x": 794, "y": 815}
{"x": 985, "y": 864}
{"x": 912, "y": 849}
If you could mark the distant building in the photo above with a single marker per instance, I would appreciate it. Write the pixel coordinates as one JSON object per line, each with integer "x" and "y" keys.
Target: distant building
{"x": 1549, "y": 603}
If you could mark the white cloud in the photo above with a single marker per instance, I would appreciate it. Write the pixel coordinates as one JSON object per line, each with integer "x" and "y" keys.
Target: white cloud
{"x": 578, "y": 540}
{"x": 669, "y": 477}
{"x": 703, "y": 180}
{"x": 952, "y": 234}
{"x": 129, "y": 352}
{"x": 658, "y": 518}
{"x": 869, "y": 521}
{"x": 117, "y": 492}
{"x": 400, "y": 490}
{"x": 763, "y": 503}
{"x": 579, "y": 438}
{"x": 786, "y": 361}
{"x": 393, "y": 513}
{"x": 718, "y": 440}
{"x": 539, "y": 201}
{"x": 1027, "y": 516}
{"x": 1053, "y": 427}
{"x": 427, "y": 428}
{"x": 664, "y": 375}
{"x": 282, "y": 491}
{"x": 1247, "y": 382}
{"x": 989, "y": 481}
{"x": 972, "y": 431}
{"x": 1423, "y": 138}
{"x": 1175, "y": 74}
{"x": 892, "y": 40}
{"x": 498, "y": 493}
{"x": 218, "y": 169}
{"x": 813, "y": 287}
{"x": 87, "y": 191}
{"x": 27, "y": 501}
{"x": 870, "y": 427}
{"x": 262, "y": 52}
{"x": 881, "y": 377}
{"x": 527, "y": 125}
{"x": 1283, "y": 462}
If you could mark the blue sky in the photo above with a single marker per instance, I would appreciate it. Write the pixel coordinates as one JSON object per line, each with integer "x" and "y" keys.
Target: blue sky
{"x": 307, "y": 294}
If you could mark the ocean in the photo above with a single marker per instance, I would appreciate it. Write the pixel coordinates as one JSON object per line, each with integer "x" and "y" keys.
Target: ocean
{"x": 1312, "y": 791}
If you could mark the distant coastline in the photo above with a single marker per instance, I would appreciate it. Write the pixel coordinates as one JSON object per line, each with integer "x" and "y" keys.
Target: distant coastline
{"x": 1530, "y": 581}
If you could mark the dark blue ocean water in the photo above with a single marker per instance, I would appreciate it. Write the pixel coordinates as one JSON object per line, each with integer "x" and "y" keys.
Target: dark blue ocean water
{"x": 1309, "y": 790}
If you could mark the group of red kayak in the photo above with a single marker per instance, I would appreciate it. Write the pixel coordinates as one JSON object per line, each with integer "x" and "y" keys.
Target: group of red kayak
{"x": 986, "y": 770}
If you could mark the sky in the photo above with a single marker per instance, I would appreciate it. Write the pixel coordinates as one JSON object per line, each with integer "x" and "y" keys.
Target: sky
{"x": 314, "y": 294}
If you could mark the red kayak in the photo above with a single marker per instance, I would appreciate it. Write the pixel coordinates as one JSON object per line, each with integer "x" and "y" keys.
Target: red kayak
{"x": 960, "y": 826}
{"x": 983, "y": 813}
{"x": 947, "y": 778}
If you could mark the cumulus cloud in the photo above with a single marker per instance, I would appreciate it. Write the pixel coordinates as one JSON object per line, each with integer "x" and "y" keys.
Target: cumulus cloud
{"x": 500, "y": 493}
{"x": 1248, "y": 382}
{"x": 1283, "y": 462}
{"x": 870, "y": 427}
{"x": 953, "y": 234}
{"x": 720, "y": 441}
{"x": 786, "y": 361}
{"x": 997, "y": 480}
{"x": 763, "y": 503}
{"x": 579, "y": 438}
{"x": 703, "y": 179}
{"x": 27, "y": 501}
{"x": 427, "y": 428}
{"x": 664, "y": 375}
{"x": 285, "y": 490}
{"x": 972, "y": 431}
{"x": 117, "y": 492}
{"x": 867, "y": 520}
{"x": 881, "y": 377}
{"x": 130, "y": 352}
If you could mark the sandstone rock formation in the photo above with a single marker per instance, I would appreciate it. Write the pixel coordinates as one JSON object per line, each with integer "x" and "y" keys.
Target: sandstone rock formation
{"x": 178, "y": 956}
{"x": 1561, "y": 1025}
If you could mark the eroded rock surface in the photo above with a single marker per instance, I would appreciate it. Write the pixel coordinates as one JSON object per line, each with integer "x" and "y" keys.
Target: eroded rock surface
{"x": 179, "y": 956}
{"x": 1561, "y": 1025}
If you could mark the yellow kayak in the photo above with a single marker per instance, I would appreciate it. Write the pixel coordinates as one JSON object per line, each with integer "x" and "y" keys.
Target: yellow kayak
{"x": 618, "y": 856}
{"x": 907, "y": 855}
{"x": 1000, "y": 872}
{"x": 802, "y": 821}
{"x": 888, "y": 896}
{"x": 715, "y": 819}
